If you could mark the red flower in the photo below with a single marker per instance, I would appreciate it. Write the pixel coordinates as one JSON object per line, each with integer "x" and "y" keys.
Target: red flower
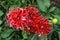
{"x": 44, "y": 27}
{"x": 33, "y": 18}
{"x": 17, "y": 18}
{"x": 30, "y": 20}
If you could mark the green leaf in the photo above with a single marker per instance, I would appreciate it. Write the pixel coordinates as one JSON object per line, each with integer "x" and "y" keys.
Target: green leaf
{"x": 42, "y": 38}
{"x": 46, "y": 3}
{"x": 6, "y": 33}
{"x": 9, "y": 38}
{"x": 57, "y": 11}
{"x": 57, "y": 28}
{"x": 1, "y": 13}
{"x": 30, "y": 36}
{"x": 53, "y": 35}
{"x": 0, "y": 29}
{"x": 34, "y": 37}
{"x": 14, "y": 1}
{"x": 59, "y": 34}
{"x": 24, "y": 34}
{"x": 43, "y": 5}
{"x": 19, "y": 4}
{"x": 52, "y": 9}
{"x": 11, "y": 7}
{"x": 23, "y": 1}
{"x": 0, "y": 22}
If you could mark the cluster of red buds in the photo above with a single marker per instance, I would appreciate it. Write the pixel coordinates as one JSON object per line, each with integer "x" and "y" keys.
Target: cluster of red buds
{"x": 28, "y": 19}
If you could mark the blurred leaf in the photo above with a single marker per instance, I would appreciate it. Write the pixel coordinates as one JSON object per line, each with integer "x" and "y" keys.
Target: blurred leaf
{"x": 9, "y": 38}
{"x": 6, "y": 33}
{"x": 23, "y": 1}
{"x": 42, "y": 38}
{"x": 18, "y": 4}
{"x": 1, "y": 13}
{"x": 35, "y": 37}
{"x": 0, "y": 22}
{"x": 57, "y": 11}
{"x": 30, "y": 36}
{"x": 59, "y": 35}
{"x": 0, "y": 29}
{"x": 24, "y": 34}
{"x": 43, "y": 4}
{"x": 14, "y": 1}
{"x": 46, "y": 3}
{"x": 11, "y": 7}
{"x": 57, "y": 27}
{"x": 52, "y": 9}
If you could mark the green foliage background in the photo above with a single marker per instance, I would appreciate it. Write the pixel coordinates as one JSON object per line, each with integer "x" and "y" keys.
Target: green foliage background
{"x": 46, "y": 9}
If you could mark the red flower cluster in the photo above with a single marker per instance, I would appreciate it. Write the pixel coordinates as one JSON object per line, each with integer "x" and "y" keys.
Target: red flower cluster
{"x": 28, "y": 19}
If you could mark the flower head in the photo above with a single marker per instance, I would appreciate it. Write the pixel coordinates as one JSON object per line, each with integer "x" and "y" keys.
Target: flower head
{"x": 17, "y": 18}
{"x": 44, "y": 27}
{"x": 30, "y": 20}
